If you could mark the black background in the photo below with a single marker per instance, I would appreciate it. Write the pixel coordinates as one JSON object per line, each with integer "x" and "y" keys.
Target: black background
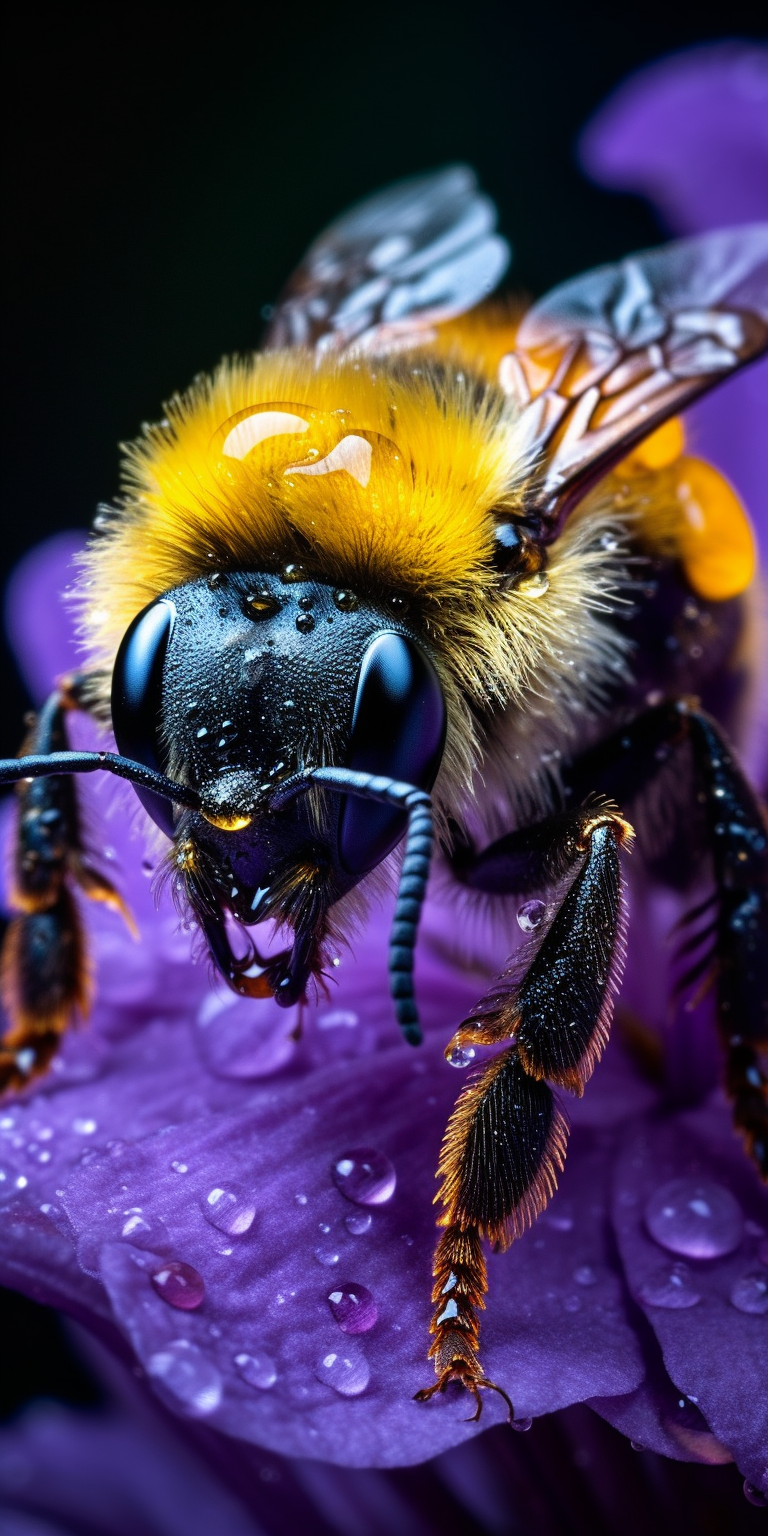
{"x": 164, "y": 171}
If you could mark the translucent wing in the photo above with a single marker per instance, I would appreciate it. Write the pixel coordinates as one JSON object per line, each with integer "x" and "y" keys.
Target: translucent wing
{"x": 605, "y": 358}
{"x": 393, "y": 266}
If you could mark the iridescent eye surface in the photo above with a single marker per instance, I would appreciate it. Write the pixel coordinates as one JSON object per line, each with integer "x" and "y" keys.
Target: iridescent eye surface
{"x": 137, "y": 696}
{"x": 398, "y": 729}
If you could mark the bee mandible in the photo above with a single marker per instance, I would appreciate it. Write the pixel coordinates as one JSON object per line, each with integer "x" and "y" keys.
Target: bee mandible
{"x": 431, "y": 565}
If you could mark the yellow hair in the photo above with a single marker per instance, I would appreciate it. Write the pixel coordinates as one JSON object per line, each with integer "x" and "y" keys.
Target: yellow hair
{"x": 208, "y": 489}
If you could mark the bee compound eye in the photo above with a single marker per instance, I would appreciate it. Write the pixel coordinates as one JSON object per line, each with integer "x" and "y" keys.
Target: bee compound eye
{"x": 398, "y": 729}
{"x": 137, "y": 681}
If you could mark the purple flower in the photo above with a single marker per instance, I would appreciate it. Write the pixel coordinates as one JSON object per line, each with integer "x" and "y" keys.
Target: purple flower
{"x": 240, "y": 1198}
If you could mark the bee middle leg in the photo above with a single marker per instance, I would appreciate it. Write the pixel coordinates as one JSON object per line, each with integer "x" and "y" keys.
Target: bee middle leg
{"x": 736, "y": 831}
{"x": 505, "y": 1142}
{"x": 45, "y": 974}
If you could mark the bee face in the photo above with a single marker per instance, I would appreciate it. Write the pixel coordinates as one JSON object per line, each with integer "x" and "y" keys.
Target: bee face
{"x": 238, "y": 681}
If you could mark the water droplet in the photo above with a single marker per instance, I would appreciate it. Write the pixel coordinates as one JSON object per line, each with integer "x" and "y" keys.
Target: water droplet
{"x": 358, "y": 1222}
{"x": 230, "y": 1210}
{"x": 179, "y": 1284}
{"x": 750, "y": 1292}
{"x": 345, "y": 600}
{"x": 673, "y": 1288}
{"x": 258, "y": 1370}
{"x": 608, "y": 542}
{"x": 347, "y": 1372}
{"x": 353, "y": 1307}
{"x": 203, "y": 731}
{"x": 535, "y": 585}
{"x": 179, "y": 1167}
{"x": 84, "y": 1127}
{"x": 460, "y": 1056}
{"x": 300, "y": 1199}
{"x": 364, "y": 1176}
{"x": 227, "y": 732}
{"x": 755, "y": 1495}
{"x": 185, "y": 1378}
{"x": 530, "y": 915}
{"x": 144, "y": 1232}
{"x": 695, "y": 1217}
{"x": 305, "y": 623}
{"x": 522, "y": 1425}
{"x": 585, "y": 1275}
{"x": 327, "y": 1254}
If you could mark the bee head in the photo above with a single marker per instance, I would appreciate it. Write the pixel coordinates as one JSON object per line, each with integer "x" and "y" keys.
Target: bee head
{"x": 237, "y": 681}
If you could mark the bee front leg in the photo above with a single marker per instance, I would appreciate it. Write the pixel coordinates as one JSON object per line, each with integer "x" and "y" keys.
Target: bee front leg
{"x": 505, "y": 1142}
{"x": 45, "y": 974}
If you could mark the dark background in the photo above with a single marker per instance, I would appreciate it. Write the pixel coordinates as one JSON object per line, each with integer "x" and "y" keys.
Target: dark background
{"x": 164, "y": 171}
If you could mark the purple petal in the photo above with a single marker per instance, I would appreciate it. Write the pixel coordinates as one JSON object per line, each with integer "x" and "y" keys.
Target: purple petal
{"x": 690, "y": 133}
{"x": 714, "y": 1350}
{"x": 267, "y": 1289}
{"x": 40, "y": 627}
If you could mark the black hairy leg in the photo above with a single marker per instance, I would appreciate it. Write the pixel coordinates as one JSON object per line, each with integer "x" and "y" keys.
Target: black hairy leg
{"x": 735, "y": 960}
{"x": 738, "y": 959}
{"x": 505, "y": 1142}
{"x": 735, "y": 832}
{"x": 44, "y": 968}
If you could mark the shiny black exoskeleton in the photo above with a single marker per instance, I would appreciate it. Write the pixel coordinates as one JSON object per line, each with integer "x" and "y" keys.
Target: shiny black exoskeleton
{"x": 235, "y": 683}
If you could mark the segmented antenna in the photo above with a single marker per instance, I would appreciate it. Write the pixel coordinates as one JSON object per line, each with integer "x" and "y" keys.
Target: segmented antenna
{"x": 413, "y": 875}
{"x": 47, "y": 764}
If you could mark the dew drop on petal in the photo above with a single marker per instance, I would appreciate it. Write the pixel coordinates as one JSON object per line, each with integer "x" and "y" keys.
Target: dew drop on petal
{"x": 695, "y": 1217}
{"x": 522, "y": 1425}
{"x": 358, "y": 1222}
{"x": 179, "y": 1284}
{"x": 755, "y": 1495}
{"x": 672, "y": 1287}
{"x": 530, "y": 915}
{"x": 327, "y": 1254}
{"x": 364, "y": 1176}
{"x": 585, "y": 1275}
{"x": 230, "y": 1210}
{"x": 460, "y": 1056}
{"x": 185, "y": 1378}
{"x": 346, "y": 1370}
{"x": 144, "y": 1231}
{"x": 353, "y": 1307}
{"x": 258, "y": 1370}
{"x": 750, "y": 1292}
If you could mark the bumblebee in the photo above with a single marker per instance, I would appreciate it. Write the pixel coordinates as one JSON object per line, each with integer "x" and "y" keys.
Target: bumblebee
{"x": 429, "y": 565}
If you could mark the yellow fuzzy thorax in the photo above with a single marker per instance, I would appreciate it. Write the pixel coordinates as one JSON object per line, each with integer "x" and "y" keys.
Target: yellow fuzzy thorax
{"x": 441, "y": 458}
{"x": 388, "y": 475}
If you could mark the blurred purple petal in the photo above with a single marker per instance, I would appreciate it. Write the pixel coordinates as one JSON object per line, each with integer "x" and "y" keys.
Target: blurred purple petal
{"x": 690, "y": 133}
{"x": 40, "y": 628}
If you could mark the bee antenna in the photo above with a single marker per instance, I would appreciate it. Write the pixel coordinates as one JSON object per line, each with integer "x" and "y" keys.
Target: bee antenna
{"x": 413, "y": 875}
{"x": 49, "y": 764}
